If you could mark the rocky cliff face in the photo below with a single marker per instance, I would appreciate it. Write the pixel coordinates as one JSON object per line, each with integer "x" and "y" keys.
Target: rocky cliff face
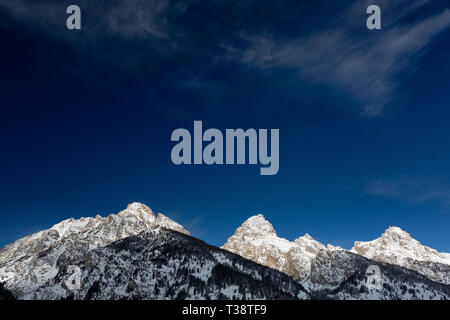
{"x": 396, "y": 246}
{"x": 343, "y": 275}
{"x": 28, "y": 263}
{"x": 257, "y": 240}
{"x": 137, "y": 255}
{"x": 164, "y": 264}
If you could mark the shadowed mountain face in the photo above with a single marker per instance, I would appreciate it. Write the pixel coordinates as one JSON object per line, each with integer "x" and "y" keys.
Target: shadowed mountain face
{"x": 28, "y": 263}
{"x": 257, "y": 240}
{"x": 5, "y": 294}
{"x": 343, "y": 275}
{"x": 397, "y": 247}
{"x": 137, "y": 255}
{"x": 165, "y": 264}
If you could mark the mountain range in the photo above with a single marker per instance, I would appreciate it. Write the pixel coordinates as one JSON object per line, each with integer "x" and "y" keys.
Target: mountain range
{"x": 257, "y": 240}
{"x": 137, "y": 254}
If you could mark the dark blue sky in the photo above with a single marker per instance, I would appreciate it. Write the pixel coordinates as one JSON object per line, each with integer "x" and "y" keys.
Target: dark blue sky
{"x": 86, "y": 116}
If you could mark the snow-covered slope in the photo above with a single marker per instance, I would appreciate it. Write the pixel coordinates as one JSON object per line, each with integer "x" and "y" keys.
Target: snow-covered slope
{"x": 343, "y": 275}
{"x": 396, "y": 246}
{"x": 165, "y": 264}
{"x": 135, "y": 254}
{"x": 257, "y": 240}
{"x": 31, "y": 261}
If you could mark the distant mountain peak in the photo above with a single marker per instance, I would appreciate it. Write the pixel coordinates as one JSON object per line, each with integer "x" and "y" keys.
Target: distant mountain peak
{"x": 139, "y": 210}
{"x": 304, "y": 237}
{"x": 257, "y": 240}
{"x": 307, "y": 236}
{"x": 139, "y": 207}
{"x": 39, "y": 266}
{"x": 396, "y": 246}
{"x": 396, "y": 233}
{"x": 163, "y": 221}
{"x": 257, "y": 226}
{"x": 71, "y": 238}
{"x": 308, "y": 242}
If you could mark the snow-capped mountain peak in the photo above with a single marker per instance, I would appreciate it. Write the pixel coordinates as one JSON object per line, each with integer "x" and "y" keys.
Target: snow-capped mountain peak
{"x": 306, "y": 236}
{"x": 140, "y": 211}
{"x": 396, "y": 246}
{"x": 112, "y": 255}
{"x": 163, "y": 221}
{"x": 257, "y": 240}
{"x": 21, "y": 263}
{"x": 396, "y": 234}
{"x": 309, "y": 244}
{"x": 257, "y": 226}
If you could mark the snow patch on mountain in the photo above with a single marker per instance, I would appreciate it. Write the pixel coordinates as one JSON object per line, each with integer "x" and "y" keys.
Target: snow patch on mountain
{"x": 397, "y": 247}
{"x": 137, "y": 254}
{"x": 31, "y": 261}
{"x": 257, "y": 240}
{"x": 163, "y": 264}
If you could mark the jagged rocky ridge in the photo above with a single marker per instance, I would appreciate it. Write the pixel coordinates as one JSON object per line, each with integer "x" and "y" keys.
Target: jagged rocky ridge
{"x": 133, "y": 255}
{"x": 257, "y": 240}
{"x": 343, "y": 275}
{"x": 28, "y": 263}
{"x": 317, "y": 267}
{"x": 165, "y": 264}
{"x": 136, "y": 255}
{"x": 397, "y": 247}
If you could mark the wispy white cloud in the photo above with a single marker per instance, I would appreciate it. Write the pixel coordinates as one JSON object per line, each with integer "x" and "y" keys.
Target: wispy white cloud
{"x": 366, "y": 65}
{"x": 132, "y": 36}
{"x": 334, "y": 49}
{"x": 131, "y": 18}
{"x": 414, "y": 190}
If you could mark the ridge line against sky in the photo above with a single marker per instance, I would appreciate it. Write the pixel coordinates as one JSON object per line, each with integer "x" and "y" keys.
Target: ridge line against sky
{"x": 363, "y": 115}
